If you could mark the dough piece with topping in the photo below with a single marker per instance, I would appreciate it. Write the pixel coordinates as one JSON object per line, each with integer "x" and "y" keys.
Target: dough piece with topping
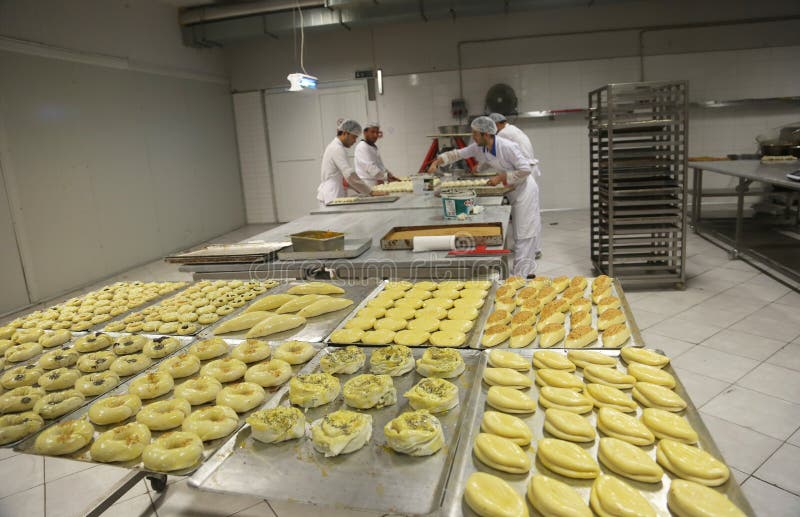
{"x": 444, "y": 363}
{"x": 433, "y": 394}
{"x": 394, "y": 360}
{"x": 277, "y": 424}
{"x": 341, "y": 432}
{"x": 313, "y": 389}
{"x": 416, "y": 433}
{"x": 368, "y": 391}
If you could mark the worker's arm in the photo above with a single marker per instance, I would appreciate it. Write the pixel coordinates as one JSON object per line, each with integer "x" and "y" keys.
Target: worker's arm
{"x": 521, "y": 164}
{"x": 470, "y": 151}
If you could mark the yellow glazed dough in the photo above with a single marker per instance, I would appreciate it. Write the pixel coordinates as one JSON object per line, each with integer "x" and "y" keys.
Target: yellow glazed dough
{"x": 691, "y": 463}
{"x": 580, "y": 337}
{"x": 606, "y": 396}
{"x": 688, "y": 499}
{"x": 378, "y": 337}
{"x": 551, "y": 335}
{"x": 501, "y": 454}
{"x": 504, "y": 359}
{"x": 616, "y": 335}
{"x": 509, "y": 400}
{"x": 668, "y": 425}
{"x": 558, "y": 379}
{"x": 609, "y": 376}
{"x": 440, "y": 362}
{"x": 416, "y": 433}
{"x": 448, "y": 338}
{"x": 655, "y": 396}
{"x": 552, "y": 360}
{"x": 582, "y": 358}
{"x": 495, "y": 335}
{"x": 506, "y": 377}
{"x": 490, "y": 496}
{"x": 611, "y": 497}
{"x": 411, "y": 337}
{"x": 424, "y": 324}
{"x": 522, "y": 336}
{"x": 567, "y": 459}
{"x": 616, "y": 424}
{"x": 552, "y": 498}
{"x": 628, "y": 461}
{"x": 456, "y": 325}
{"x": 569, "y": 426}
{"x": 566, "y": 399}
{"x": 651, "y": 374}
{"x": 313, "y": 390}
{"x": 433, "y": 394}
{"x": 644, "y": 356}
{"x": 506, "y": 426}
{"x": 346, "y": 336}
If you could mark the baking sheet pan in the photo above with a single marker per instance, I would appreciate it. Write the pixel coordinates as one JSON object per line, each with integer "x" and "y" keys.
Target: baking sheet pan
{"x": 472, "y": 336}
{"x": 656, "y": 493}
{"x": 352, "y": 249}
{"x": 634, "y": 340}
{"x": 372, "y": 478}
{"x": 209, "y": 447}
{"x": 251, "y": 251}
{"x": 316, "y": 329}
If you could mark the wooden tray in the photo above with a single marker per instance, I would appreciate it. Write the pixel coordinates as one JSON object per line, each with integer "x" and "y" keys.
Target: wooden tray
{"x": 468, "y": 235}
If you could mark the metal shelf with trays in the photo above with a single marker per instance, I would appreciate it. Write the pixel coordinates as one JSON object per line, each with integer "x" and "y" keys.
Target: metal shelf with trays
{"x": 638, "y": 163}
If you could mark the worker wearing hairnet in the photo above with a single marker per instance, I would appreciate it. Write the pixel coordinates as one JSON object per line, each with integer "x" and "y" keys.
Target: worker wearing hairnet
{"x": 511, "y": 132}
{"x": 369, "y": 165}
{"x": 336, "y": 168}
{"x": 515, "y": 171}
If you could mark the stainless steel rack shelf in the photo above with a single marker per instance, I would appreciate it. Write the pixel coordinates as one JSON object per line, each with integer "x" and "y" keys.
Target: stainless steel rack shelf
{"x": 638, "y": 134}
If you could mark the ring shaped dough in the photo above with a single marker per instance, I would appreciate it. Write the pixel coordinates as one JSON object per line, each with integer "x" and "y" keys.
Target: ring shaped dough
{"x": 96, "y": 361}
{"x": 20, "y": 399}
{"x": 164, "y": 414}
{"x": 58, "y": 359}
{"x": 394, "y": 360}
{"x": 161, "y": 347}
{"x": 173, "y": 451}
{"x": 16, "y": 427}
{"x": 94, "y": 384}
{"x": 54, "y": 405}
{"x": 440, "y": 362}
{"x": 267, "y": 375}
{"x": 130, "y": 364}
{"x": 226, "y": 369}
{"x": 59, "y": 379}
{"x": 112, "y": 410}
{"x": 211, "y": 423}
{"x": 313, "y": 389}
{"x": 200, "y": 390}
{"x": 209, "y": 348}
{"x": 241, "y": 397}
{"x": 180, "y": 366}
{"x": 295, "y": 352}
{"x": 151, "y": 385}
{"x": 123, "y": 443}
{"x": 64, "y": 438}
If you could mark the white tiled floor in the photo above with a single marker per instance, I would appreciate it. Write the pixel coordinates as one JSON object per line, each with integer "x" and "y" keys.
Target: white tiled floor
{"x": 733, "y": 334}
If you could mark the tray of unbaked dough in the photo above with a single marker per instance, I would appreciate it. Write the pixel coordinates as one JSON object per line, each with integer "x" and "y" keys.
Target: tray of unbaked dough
{"x": 374, "y": 477}
{"x": 90, "y": 310}
{"x": 181, "y": 342}
{"x": 209, "y": 447}
{"x": 655, "y": 493}
{"x": 473, "y": 334}
{"x": 362, "y": 200}
{"x": 199, "y": 301}
{"x": 616, "y": 290}
{"x": 316, "y": 328}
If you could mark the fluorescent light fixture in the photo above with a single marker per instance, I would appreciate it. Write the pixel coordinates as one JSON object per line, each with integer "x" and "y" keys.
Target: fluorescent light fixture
{"x": 380, "y": 81}
{"x": 299, "y": 81}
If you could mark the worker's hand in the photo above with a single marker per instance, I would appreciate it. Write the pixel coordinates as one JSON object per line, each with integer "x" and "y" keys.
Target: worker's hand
{"x": 435, "y": 165}
{"x": 391, "y": 177}
{"x": 497, "y": 179}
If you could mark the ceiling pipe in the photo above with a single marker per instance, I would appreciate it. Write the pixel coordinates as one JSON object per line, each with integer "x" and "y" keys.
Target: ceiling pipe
{"x": 211, "y": 13}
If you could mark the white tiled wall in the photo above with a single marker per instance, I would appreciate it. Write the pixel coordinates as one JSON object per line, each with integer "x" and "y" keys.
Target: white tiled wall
{"x": 414, "y": 105}
{"x": 254, "y": 157}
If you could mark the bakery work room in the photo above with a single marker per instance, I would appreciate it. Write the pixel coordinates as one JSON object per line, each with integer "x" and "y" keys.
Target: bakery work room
{"x": 420, "y": 258}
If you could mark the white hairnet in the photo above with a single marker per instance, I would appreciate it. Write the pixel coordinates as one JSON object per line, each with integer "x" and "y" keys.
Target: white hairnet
{"x": 372, "y": 124}
{"x": 350, "y": 126}
{"x": 497, "y": 117}
{"x": 484, "y": 125}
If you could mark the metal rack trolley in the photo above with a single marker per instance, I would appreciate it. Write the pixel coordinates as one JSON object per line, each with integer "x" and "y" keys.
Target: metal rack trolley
{"x": 638, "y": 140}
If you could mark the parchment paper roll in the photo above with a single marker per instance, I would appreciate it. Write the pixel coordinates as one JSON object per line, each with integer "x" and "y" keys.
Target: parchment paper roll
{"x": 435, "y": 243}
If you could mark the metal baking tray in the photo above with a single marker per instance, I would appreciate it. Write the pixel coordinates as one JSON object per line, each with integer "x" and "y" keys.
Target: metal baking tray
{"x": 365, "y": 200}
{"x": 352, "y": 249}
{"x": 250, "y": 251}
{"x": 461, "y": 230}
{"x": 210, "y": 447}
{"x": 200, "y": 326}
{"x": 472, "y": 336}
{"x": 656, "y": 494}
{"x": 316, "y": 329}
{"x": 634, "y": 340}
{"x": 310, "y": 240}
{"x": 372, "y": 478}
{"x": 89, "y": 400}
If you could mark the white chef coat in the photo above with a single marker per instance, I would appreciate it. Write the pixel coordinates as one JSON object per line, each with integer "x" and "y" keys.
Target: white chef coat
{"x": 518, "y": 136}
{"x": 507, "y": 157}
{"x": 369, "y": 165}
{"x": 335, "y": 167}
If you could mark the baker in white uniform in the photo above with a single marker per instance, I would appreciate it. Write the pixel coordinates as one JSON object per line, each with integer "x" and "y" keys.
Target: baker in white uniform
{"x": 369, "y": 165}
{"x": 336, "y": 168}
{"x": 504, "y": 155}
{"x": 511, "y": 132}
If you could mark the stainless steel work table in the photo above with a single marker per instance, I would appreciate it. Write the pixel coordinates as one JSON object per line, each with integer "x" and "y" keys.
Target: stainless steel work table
{"x": 406, "y": 202}
{"x": 753, "y": 241}
{"x": 375, "y": 262}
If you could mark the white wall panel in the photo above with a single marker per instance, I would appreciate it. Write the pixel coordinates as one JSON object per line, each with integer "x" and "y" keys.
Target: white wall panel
{"x": 110, "y": 168}
{"x": 254, "y": 162}
{"x": 12, "y": 280}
